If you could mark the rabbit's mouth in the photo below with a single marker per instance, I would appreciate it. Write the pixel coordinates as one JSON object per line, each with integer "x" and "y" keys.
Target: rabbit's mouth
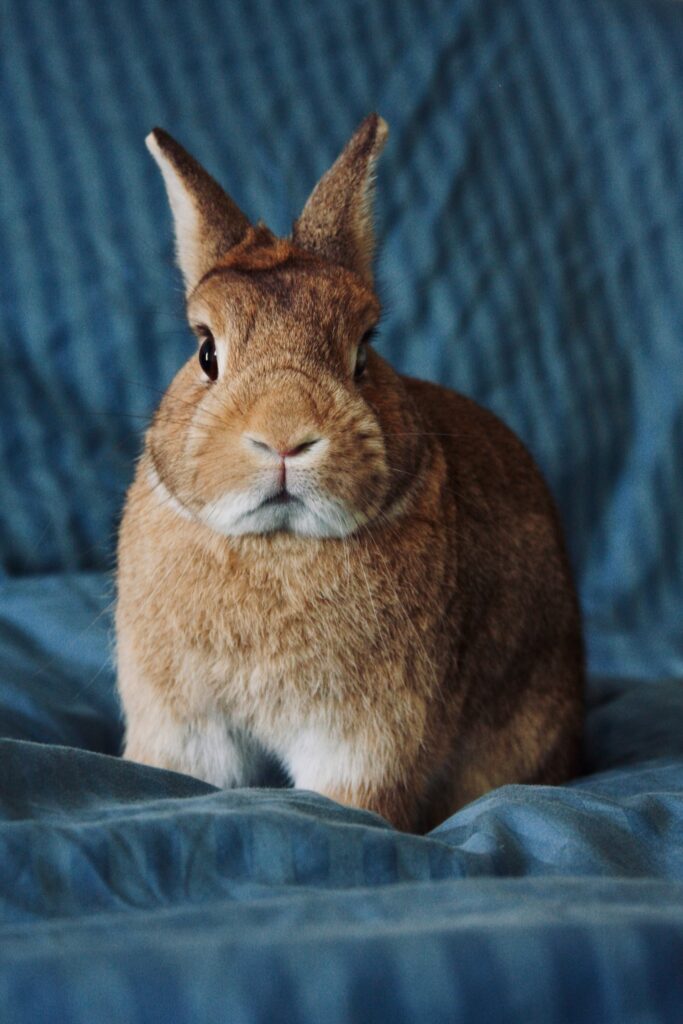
{"x": 234, "y": 513}
{"x": 282, "y": 497}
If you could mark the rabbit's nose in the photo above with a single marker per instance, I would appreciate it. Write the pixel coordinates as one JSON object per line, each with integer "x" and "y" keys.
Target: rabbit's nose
{"x": 280, "y": 451}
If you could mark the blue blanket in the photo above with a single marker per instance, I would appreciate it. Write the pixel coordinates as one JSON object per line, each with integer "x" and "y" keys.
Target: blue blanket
{"x": 136, "y": 895}
{"x": 530, "y": 202}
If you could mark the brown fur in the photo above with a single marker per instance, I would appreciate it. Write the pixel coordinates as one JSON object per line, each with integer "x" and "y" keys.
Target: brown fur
{"x": 336, "y": 222}
{"x": 440, "y": 639}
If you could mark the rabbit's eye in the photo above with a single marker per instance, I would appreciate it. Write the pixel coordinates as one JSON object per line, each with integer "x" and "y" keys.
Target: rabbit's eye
{"x": 362, "y": 354}
{"x": 207, "y": 357}
{"x": 361, "y": 361}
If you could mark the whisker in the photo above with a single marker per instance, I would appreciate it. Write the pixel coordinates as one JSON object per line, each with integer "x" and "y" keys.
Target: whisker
{"x": 171, "y": 398}
{"x": 401, "y": 472}
{"x": 420, "y": 433}
{"x": 148, "y": 417}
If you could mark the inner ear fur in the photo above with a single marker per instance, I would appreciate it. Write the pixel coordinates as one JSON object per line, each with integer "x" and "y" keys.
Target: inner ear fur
{"x": 207, "y": 221}
{"x": 336, "y": 222}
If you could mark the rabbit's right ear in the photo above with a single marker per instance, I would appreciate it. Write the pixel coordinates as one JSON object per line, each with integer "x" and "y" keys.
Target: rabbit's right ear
{"x": 207, "y": 221}
{"x": 336, "y": 222}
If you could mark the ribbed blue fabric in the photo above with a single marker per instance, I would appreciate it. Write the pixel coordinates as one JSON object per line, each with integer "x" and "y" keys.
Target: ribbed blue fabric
{"x": 530, "y": 206}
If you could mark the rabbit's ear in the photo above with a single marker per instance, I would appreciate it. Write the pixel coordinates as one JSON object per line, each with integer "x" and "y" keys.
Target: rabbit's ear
{"x": 207, "y": 221}
{"x": 337, "y": 219}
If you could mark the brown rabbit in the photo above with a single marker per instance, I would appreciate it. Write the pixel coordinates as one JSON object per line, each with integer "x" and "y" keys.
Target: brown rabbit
{"x": 355, "y": 572}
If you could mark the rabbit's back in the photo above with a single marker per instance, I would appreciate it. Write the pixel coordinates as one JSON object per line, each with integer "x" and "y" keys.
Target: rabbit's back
{"x": 514, "y": 623}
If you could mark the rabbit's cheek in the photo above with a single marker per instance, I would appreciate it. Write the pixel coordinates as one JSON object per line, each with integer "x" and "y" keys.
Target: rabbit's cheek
{"x": 356, "y": 478}
{"x": 212, "y": 452}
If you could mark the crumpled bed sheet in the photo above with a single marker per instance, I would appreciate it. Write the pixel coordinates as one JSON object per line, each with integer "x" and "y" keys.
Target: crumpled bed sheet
{"x": 134, "y": 894}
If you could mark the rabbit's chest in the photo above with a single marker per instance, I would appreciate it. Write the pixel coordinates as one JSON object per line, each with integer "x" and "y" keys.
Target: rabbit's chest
{"x": 279, "y": 648}
{"x": 269, "y": 641}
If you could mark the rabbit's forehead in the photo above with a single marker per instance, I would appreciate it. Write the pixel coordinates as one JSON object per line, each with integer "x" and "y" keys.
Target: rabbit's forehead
{"x": 332, "y": 302}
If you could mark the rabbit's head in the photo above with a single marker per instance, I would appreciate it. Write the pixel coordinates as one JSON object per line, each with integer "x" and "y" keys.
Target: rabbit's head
{"x": 284, "y": 419}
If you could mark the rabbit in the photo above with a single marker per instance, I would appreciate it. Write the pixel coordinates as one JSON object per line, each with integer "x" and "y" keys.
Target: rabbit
{"x": 322, "y": 562}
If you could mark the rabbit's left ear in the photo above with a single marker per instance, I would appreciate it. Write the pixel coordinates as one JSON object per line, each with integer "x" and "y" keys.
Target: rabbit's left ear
{"x": 207, "y": 221}
{"x": 336, "y": 222}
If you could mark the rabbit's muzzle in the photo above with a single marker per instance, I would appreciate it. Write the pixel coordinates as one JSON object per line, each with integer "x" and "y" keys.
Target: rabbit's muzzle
{"x": 282, "y": 452}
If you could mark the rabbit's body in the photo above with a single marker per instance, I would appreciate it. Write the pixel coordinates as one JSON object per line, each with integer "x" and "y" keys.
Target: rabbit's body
{"x": 398, "y": 626}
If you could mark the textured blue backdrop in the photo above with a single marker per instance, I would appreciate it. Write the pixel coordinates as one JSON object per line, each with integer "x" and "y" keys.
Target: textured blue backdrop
{"x": 530, "y": 203}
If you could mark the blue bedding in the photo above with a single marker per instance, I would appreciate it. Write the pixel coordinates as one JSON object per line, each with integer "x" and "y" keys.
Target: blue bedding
{"x": 530, "y": 206}
{"x": 137, "y": 895}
